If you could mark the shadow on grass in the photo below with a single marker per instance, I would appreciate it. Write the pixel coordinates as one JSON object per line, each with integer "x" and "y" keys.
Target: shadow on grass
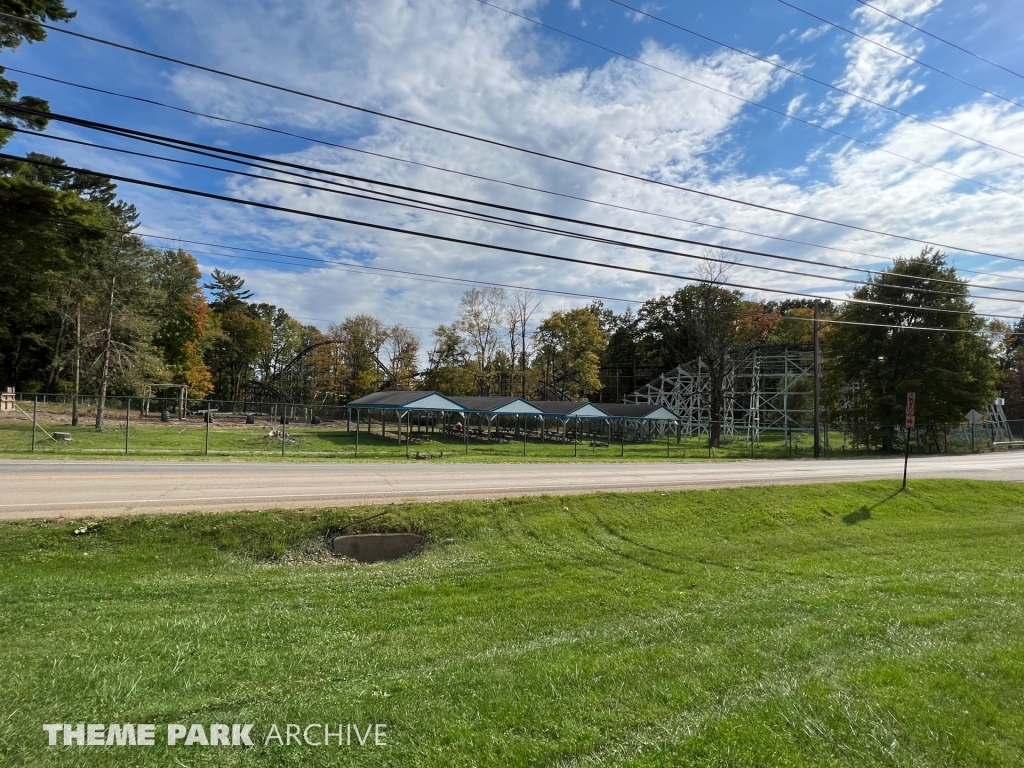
{"x": 864, "y": 513}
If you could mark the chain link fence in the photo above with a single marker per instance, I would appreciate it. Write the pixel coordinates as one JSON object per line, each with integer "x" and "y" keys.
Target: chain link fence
{"x": 65, "y": 425}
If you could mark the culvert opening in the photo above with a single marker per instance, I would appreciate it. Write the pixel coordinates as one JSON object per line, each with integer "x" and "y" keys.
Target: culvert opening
{"x": 375, "y": 547}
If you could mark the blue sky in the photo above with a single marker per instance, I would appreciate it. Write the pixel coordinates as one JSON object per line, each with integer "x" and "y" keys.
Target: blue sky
{"x": 461, "y": 64}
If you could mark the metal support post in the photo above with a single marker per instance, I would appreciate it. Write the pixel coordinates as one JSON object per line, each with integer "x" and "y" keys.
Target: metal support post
{"x": 209, "y": 413}
{"x": 357, "y": 432}
{"x": 35, "y": 418}
{"x": 127, "y": 424}
{"x": 906, "y": 454}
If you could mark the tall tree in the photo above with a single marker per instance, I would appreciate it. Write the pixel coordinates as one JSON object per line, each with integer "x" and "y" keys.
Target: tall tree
{"x": 181, "y": 334}
{"x": 286, "y": 337}
{"x": 795, "y": 324}
{"x": 707, "y": 322}
{"x": 360, "y": 339}
{"x": 328, "y": 373}
{"x": 238, "y": 336}
{"x": 47, "y": 233}
{"x": 447, "y": 363}
{"x": 569, "y": 344}
{"x": 481, "y": 311}
{"x": 519, "y": 310}
{"x": 1010, "y": 356}
{"x": 229, "y": 291}
{"x": 399, "y": 353}
{"x": 124, "y": 301}
{"x": 871, "y": 369}
{"x": 13, "y": 32}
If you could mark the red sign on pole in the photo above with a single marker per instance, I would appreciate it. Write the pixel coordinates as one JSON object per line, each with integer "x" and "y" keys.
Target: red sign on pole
{"x": 910, "y": 421}
{"x": 910, "y": 403}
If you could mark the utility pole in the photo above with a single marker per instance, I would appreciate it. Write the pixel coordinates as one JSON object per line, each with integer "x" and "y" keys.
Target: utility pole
{"x": 78, "y": 366}
{"x": 817, "y": 387}
{"x": 523, "y": 332}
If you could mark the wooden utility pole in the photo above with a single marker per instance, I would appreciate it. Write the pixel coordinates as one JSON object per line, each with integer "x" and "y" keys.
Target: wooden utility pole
{"x": 78, "y": 366}
{"x": 523, "y": 331}
{"x": 108, "y": 342}
{"x": 817, "y": 387}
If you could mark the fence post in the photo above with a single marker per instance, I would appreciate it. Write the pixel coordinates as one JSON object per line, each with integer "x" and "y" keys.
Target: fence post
{"x": 284, "y": 436}
{"x": 357, "y": 432}
{"x": 209, "y": 414}
{"x": 668, "y": 443}
{"x": 622, "y": 426}
{"x": 127, "y": 424}
{"x": 35, "y": 417}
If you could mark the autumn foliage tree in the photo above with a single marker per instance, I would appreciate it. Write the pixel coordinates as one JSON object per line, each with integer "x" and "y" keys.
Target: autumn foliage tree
{"x": 569, "y": 345}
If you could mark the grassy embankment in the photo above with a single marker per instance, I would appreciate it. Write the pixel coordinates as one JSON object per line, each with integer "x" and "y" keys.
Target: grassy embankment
{"x": 841, "y": 625}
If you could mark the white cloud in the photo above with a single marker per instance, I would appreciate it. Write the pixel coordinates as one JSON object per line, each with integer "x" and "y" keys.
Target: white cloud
{"x": 813, "y": 33}
{"x": 872, "y": 72}
{"x": 794, "y": 104}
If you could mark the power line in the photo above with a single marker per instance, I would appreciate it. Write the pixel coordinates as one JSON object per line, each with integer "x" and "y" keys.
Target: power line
{"x": 739, "y": 313}
{"x": 132, "y": 132}
{"x": 479, "y": 177}
{"x": 350, "y": 267}
{"x": 940, "y": 39}
{"x": 884, "y": 47}
{"x": 490, "y": 218}
{"x": 437, "y": 208}
{"x": 487, "y": 246}
{"x": 495, "y": 142}
{"x": 764, "y": 106}
{"x": 401, "y": 274}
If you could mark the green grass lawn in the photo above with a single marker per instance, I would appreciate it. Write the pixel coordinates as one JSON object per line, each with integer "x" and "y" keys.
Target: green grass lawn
{"x": 838, "y": 625}
{"x": 149, "y": 438}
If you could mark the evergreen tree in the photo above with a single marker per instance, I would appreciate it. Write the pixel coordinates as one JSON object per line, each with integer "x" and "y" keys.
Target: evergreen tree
{"x": 14, "y": 32}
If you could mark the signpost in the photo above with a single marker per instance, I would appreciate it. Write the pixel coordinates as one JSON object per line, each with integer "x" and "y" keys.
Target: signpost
{"x": 975, "y": 418}
{"x": 909, "y": 425}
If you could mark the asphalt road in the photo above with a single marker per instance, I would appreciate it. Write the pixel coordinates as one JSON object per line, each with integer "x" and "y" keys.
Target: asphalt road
{"x": 33, "y": 489}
